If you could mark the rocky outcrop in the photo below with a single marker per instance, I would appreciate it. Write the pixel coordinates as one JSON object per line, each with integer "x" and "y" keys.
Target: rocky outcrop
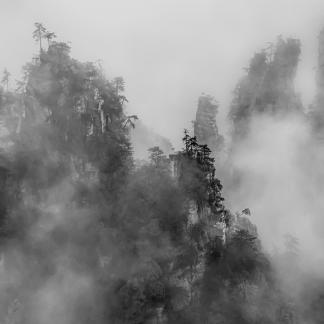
{"x": 205, "y": 127}
{"x": 316, "y": 114}
{"x": 268, "y": 87}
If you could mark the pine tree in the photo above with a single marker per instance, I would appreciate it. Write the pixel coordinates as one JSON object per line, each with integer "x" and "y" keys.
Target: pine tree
{"x": 38, "y": 34}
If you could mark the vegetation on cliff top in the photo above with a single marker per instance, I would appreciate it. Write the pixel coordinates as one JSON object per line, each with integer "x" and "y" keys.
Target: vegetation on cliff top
{"x": 88, "y": 237}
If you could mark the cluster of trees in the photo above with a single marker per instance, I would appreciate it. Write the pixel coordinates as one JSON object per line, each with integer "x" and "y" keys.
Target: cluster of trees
{"x": 267, "y": 91}
{"x": 73, "y": 205}
{"x": 65, "y": 160}
{"x": 268, "y": 86}
{"x": 197, "y": 175}
{"x": 41, "y": 33}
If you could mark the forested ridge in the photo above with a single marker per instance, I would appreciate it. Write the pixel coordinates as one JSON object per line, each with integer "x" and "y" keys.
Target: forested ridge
{"x": 90, "y": 236}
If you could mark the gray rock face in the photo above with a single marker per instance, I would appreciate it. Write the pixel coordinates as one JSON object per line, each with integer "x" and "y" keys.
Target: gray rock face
{"x": 205, "y": 127}
{"x": 316, "y": 114}
{"x": 268, "y": 87}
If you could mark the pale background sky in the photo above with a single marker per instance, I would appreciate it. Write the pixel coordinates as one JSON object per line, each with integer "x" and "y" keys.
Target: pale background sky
{"x": 168, "y": 51}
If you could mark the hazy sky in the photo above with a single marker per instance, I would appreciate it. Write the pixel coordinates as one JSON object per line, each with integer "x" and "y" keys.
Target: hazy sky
{"x": 168, "y": 51}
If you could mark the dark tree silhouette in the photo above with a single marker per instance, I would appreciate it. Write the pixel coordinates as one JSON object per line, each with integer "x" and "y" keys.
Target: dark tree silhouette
{"x": 38, "y": 34}
{"x": 49, "y": 36}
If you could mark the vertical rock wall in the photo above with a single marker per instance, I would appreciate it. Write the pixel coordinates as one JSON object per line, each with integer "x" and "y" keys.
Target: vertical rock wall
{"x": 205, "y": 127}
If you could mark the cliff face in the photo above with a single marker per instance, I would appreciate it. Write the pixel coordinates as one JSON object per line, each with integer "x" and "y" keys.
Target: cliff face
{"x": 316, "y": 113}
{"x": 268, "y": 86}
{"x": 205, "y": 127}
{"x": 211, "y": 232}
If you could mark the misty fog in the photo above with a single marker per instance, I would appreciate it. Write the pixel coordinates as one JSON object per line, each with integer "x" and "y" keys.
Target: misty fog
{"x": 167, "y": 52}
{"x": 162, "y": 162}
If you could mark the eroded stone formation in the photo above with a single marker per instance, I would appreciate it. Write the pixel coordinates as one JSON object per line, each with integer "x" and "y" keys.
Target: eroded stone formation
{"x": 316, "y": 113}
{"x": 268, "y": 87}
{"x": 205, "y": 127}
